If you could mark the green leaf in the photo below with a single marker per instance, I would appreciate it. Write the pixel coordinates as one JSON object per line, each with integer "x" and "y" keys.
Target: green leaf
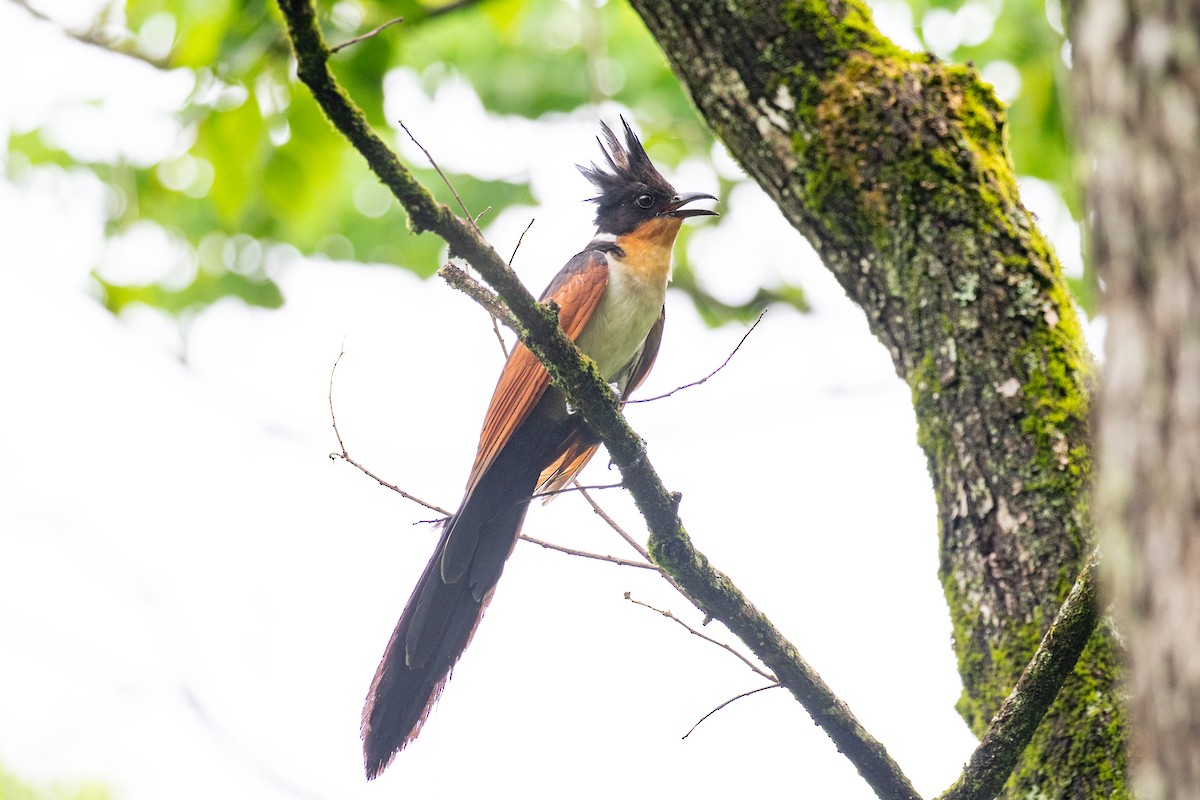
{"x": 205, "y": 289}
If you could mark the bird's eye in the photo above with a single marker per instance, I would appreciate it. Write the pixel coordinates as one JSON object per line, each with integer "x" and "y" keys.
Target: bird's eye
{"x": 645, "y": 200}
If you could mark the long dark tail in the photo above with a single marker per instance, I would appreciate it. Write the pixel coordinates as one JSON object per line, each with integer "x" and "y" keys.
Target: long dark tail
{"x": 449, "y": 599}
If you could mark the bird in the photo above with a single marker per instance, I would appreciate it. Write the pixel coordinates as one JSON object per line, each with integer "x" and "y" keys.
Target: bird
{"x": 610, "y": 298}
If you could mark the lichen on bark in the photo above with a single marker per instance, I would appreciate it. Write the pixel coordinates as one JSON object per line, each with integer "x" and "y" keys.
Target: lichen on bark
{"x": 894, "y": 166}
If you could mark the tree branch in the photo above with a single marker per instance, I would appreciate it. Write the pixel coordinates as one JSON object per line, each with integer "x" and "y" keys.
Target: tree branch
{"x": 457, "y": 278}
{"x": 1014, "y": 724}
{"x": 709, "y": 589}
{"x": 371, "y": 34}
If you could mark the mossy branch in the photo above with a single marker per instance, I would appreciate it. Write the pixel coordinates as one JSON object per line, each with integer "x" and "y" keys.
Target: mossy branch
{"x": 709, "y": 589}
{"x": 1014, "y": 724}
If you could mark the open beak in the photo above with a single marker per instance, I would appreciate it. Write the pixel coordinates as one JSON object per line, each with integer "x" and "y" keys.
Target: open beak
{"x": 675, "y": 208}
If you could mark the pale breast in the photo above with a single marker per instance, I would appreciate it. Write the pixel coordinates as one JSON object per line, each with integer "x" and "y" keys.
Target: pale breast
{"x": 631, "y": 304}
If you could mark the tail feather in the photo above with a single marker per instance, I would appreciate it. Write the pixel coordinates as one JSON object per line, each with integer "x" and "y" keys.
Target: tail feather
{"x": 403, "y": 692}
{"x": 577, "y": 451}
{"x": 445, "y": 607}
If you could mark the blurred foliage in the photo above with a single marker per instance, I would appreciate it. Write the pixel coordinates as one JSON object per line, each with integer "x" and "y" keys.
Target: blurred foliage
{"x": 13, "y": 788}
{"x": 257, "y": 168}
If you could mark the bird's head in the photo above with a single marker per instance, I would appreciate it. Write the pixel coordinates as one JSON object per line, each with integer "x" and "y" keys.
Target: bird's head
{"x": 632, "y": 192}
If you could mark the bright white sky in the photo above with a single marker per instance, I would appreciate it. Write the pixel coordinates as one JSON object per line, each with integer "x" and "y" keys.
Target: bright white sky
{"x": 194, "y": 597}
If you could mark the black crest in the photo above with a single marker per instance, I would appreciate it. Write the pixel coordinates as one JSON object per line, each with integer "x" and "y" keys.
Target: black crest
{"x": 630, "y": 175}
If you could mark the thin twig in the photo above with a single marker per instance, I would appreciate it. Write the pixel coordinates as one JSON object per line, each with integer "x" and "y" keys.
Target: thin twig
{"x": 520, "y": 240}
{"x": 516, "y": 247}
{"x": 345, "y": 456}
{"x": 612, "y": 523}
{"x": 724, "y": 364}
{"x": 624, "y": 562}
{"x": 671, "y": 616}
{"x": 445, "y": 179}
{"x": 368, "y": 35}
{"x": 730, "y": 701}
{"x": 579, "y": 488}
{"x": 499, "y": 337}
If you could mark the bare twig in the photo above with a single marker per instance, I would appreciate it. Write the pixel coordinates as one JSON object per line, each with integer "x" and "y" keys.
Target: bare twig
{"x": 499, "y": 337}
{"x": 577, "y": 487}
{"x": 671, "y": 616}
{"x": 612, "y": 523}
{"x": 724, "y": 364}
{"x": 624, "y": 562}
{"x": 730, "y": 701}
{"x": 443, "y": 176}
{"x": 624, "y": 534}
{"x": 520, "y": 240}
{"x": 516, "y": 247}
{"x": 368, "y": 35}
{"x": 345, "y": 456}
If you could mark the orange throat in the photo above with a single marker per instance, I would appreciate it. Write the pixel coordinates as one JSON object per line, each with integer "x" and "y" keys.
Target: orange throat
{"x": 648, "y": 248}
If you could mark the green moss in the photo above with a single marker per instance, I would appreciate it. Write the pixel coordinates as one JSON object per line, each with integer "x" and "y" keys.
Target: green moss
{"x": 852, "y": 30}
{"x": 1085, "y": 705}
{"x": 1054, "y": 369}
{"x": 925, "y": 385}
{"x": 989, "y": 672}
{"x": 872, "y": 158}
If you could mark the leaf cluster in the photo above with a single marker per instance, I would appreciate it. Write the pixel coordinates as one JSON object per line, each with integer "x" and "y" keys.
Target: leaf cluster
{"x": 254, "y": 172}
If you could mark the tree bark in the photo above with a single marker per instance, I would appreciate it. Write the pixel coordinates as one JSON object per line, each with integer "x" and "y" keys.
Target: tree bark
{"x": 1138, "y": 93}
{"x": 894, "y": 167}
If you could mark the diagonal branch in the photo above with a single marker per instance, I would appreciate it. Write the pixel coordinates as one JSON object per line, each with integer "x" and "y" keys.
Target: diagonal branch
{"x": 457, "y": 278}
{"x": 1014, "y": 724}
{"x": 709, "y": 589}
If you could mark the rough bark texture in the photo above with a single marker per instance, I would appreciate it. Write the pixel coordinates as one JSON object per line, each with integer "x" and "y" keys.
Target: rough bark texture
{"x": 1138, "y": 92}
{"x": 894, "y": 168}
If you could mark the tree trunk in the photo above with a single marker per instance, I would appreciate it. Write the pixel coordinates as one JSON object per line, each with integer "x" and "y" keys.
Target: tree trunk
{"x": 1138, "y": 92}
{"x": 893, "y": 166}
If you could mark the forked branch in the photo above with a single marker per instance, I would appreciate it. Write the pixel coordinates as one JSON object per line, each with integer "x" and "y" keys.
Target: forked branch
{"x": 706, "y": 587}
{"x": 711, "y": 591}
